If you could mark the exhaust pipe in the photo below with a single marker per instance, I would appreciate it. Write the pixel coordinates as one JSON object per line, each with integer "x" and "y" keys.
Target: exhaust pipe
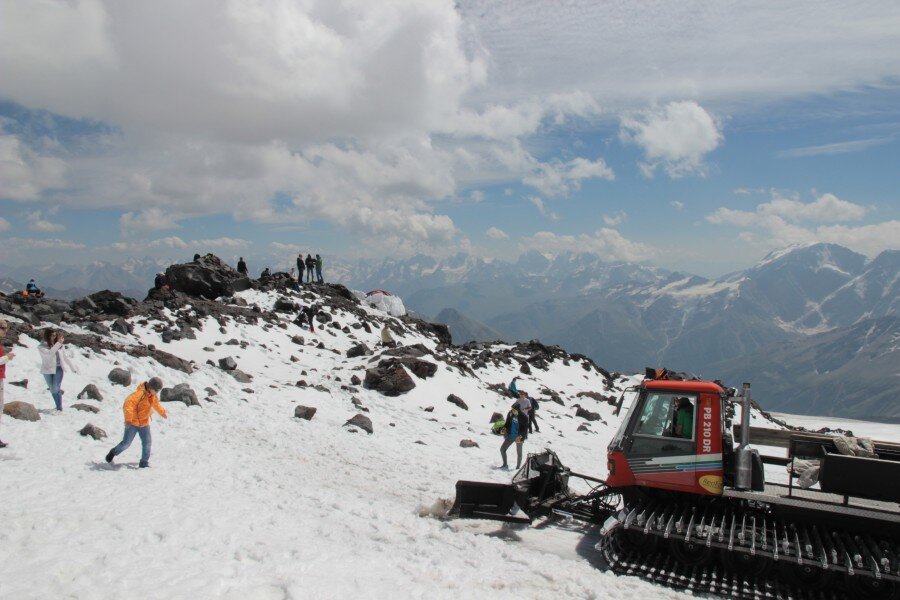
{"x": 743, "y": 479}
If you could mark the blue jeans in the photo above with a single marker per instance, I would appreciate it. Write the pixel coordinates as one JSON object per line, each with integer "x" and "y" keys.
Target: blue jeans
{"x": 54, "y": 382}
{"x": 319, "y": 274}
{"x": 130, "y": 432}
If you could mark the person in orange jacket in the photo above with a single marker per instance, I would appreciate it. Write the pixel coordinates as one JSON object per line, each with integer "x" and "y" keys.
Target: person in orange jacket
{"x": 138, "y": 407}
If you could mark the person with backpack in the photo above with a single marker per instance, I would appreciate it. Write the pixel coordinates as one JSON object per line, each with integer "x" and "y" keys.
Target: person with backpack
{"x": 54, "y": 363}
{"x": 242, "y": 267}
{"x": 311, "y": 312}
{"x": 33, "y": 290}
{"x": 137, "y": 408}
{"x": 300, "y": 268}
{"x": 310, "y": 265}
{"x": 319, "y": 269}
{"x": 5, "y": 357}
{"x": 532, "y": 415}
{"x": 514, "y": 432}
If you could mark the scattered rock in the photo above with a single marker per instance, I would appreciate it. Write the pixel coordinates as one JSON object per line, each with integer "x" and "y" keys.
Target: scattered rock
{"x": 298, "y": 339}
{"x": 362, "y": 421}
{"x": 120, "y": 376}
{"x": 468, "y": 444}
{"x": 86, "y": 408}
{"x": 90, "y": 392}
{"x": 305, "y": 412}
{"x": 584, "y": 427}
{"x": 454, "y": 399}
{"x": 227, "y": 364}
{"x": 23, "y": 383}
{"x": 429, "y": 409}
{"x": 93, "y": 431}
{"x": 355, "y": 380}
{"x": 122, "y": 326}
{"x": 587, "y": 415}
{"x": 240, "y": 376}
{"x": 358, "y": 350}
{"x": 390, "y": 379}
{"x": 525, "y": 369}
{"x": 21, "y": 410}
{"x": 180, "y": 393}
{"x": 495, "y": 417}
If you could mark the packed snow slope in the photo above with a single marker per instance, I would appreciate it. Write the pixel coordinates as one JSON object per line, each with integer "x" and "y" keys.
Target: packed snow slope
{"x": 243, "y": 500}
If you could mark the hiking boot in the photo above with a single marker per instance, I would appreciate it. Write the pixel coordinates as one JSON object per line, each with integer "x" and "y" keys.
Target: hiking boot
{"x": 110, "y": 455}
{"x": 143, "y": 465}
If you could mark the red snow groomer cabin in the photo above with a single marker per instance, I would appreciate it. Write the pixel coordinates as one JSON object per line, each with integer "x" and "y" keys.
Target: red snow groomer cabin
{"x": 672, "y": 440}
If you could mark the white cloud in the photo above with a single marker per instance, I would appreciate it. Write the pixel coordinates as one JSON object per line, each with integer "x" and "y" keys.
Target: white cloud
{"x": 151, "y": 219}
{"x": 4, "y": 225}
{"x": 677, "y": 204}
{"x": 283, "y": 248}
{"x": 496, "y": 234}
{"x": 25, "y": 173}
{"x": 615, "y": 219}
{"x": 48, "y": 244}
{"x": 835, "y": 148}
{"x": 557, "y": 178}
{"x": 37, "y": 222}
{"x": 606, "y": 242}
{"x": 827, "y": 208}
{"x": 477, "y": 196}
{"x": 782, "y": 221}
{"x": 676, "y": 138}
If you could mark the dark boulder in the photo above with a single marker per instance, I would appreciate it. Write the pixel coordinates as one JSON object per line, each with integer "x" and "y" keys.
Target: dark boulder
{"x": 454, "y": 399}
{"x": 240, "y": 376}
{"x": 496, "y": 417}
{"x": 355, "y": 380}
{"x": 120, "y": 376}
{"x": 21, "y": 410}
{"x": 180, "y": 393}
{"x": 86, "y": 407}
{"x": 358, "y": 350}
{"x": 305, "y": 412}
{"x": 468, "y": 444}
{"x": 91, "y": 430}
{"x": 227, "y": 364}
{"x": 587, "y": 415}
{"x": 108, "y": 303}
{"x": 90, "y": 392}
{"x": 207, "y": 277}
{"x": 389, "y": 378}
{"x": 362, "y": 421}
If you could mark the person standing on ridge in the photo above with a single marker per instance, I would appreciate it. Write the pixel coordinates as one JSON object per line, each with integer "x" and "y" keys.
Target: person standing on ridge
{"x": 5, "y": 357}
{"x": 54, "y": 363}
{"x": 532, "y": 415}
{"x": 319, "y": 269}
{"x": 300, "y": 267}
{"x": 137, "y": 408}
{"x": 514, "y": 432}
{"x": 310, "y": 265}
{"x": 242, "y": 267}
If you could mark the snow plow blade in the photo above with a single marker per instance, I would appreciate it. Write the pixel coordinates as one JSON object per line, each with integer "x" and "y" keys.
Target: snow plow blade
{"x": 483, "y": 500}
{"x": 534, "y": 490}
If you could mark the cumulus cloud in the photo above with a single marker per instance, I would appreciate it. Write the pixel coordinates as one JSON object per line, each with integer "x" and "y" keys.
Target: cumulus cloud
{"x": 677, "y": 204}
{"x": 283, "y": 248}
{"x": 477, "y": 196}
{"x": 496, "y": 234}
{"x": 557, "y": 178}
{"x": 25, "y": 173}
{"x": 606, "y": 242}
{"x": 151, "y": 219}
{"x": 783, "y": 221}
{"x": 676, "y": 138}
{"x": 615, "y": 219}
{"x": 4, "y": 224}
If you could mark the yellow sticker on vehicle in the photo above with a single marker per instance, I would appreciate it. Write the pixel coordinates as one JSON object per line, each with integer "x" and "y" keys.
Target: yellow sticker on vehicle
{"x": 711, "y": 483}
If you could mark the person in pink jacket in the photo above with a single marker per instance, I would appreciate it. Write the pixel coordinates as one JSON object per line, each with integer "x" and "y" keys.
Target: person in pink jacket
{"x": 5, "y": 357}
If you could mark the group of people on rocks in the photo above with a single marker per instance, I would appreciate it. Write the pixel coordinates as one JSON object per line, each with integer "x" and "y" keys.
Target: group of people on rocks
{"x": 520, "y": 421}
{"x": 310, "y": 265}
{"x": 55, "y": 363}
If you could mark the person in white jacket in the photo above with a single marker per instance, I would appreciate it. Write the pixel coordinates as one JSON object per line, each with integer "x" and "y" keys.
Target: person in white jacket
{"x": 54, "y": 363}
{"x": 5, "y": 357}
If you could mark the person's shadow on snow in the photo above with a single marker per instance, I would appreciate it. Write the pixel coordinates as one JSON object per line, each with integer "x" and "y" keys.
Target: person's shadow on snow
{"x": 105, "y": 466}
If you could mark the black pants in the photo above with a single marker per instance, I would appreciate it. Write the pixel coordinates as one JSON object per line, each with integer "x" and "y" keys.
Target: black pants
{"x": 532, "y": 422}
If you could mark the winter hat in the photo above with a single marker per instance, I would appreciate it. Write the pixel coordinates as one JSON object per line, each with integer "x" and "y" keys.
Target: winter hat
{"x": 155, "y": 384}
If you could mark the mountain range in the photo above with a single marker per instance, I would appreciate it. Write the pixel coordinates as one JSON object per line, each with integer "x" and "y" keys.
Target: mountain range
{"x": 814, "y": 326}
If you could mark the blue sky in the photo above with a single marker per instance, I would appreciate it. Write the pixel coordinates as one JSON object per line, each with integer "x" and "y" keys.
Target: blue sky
{"x": 694, "y": 135}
